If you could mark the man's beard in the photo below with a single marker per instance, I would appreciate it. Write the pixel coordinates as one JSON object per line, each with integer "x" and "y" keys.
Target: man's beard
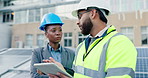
{"x": 86, "y": 27}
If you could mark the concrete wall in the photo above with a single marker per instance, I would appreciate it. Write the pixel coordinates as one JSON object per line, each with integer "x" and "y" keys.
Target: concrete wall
{"x": 19, "y": 32}
{"x": 1, "y": 18}
{"x": 5, "y": 36}
{"x": 1, "y": 4}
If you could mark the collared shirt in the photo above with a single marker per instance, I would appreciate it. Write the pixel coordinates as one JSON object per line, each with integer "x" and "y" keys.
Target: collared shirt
{"x": 56, "y": 54}
{"x": 101, "y": 32}
{"x": 92, "y": 39}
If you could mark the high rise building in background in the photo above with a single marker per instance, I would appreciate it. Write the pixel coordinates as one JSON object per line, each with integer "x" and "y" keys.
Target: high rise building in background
{"x": 28, "y": 13}
{"x": 19, "y": 22}
{"x": 128, "y": 5}
{"x": 14, "y": 12}
{"x": 129, "y": 17}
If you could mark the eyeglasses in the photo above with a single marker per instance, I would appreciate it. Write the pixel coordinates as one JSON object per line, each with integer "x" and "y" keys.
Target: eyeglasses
{"x": 81, "y": 13}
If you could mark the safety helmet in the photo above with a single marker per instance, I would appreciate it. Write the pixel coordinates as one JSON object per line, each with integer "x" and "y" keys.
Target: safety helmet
{"x": 103, "y": 5}
{"x": 48, "y": 19}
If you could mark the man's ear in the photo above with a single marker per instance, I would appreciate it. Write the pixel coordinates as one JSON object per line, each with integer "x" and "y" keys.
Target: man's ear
{"x": 93, "y": 13}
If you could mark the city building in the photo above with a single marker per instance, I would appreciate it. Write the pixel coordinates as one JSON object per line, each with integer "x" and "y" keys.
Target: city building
{"x": 24, "y": 16}
{"x": 132, "y": 24}
{"x": 127, "y": 6}
{"x": 20, "y": 19}
{"x": 6, "y": 20}
{"x": 30, "y": 12}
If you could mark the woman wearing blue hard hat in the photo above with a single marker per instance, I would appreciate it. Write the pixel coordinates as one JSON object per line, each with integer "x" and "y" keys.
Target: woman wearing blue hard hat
{"x": 51, "y": 24}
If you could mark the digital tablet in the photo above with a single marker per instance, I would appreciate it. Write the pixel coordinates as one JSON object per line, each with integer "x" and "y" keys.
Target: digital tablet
{"x": 50, "y": 68}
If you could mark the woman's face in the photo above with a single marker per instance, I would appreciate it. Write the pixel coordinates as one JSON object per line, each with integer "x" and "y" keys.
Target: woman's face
{"x": 54, "y": 33}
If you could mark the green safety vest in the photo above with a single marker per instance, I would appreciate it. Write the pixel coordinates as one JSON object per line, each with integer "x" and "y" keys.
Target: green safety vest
{"x": 113, "y": 56}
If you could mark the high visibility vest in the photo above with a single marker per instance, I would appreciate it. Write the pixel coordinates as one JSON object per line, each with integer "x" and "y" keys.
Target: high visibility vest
{"x": 113, "y": 56}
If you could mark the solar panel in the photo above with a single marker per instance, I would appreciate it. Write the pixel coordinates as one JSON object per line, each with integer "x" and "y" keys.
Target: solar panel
{"x": 13, "y": 57}
{"x": 19, "y": 72}
{"x": 141, "y": 67}
{"x": 18, "y": 52}
{"x": 142, "y": 63}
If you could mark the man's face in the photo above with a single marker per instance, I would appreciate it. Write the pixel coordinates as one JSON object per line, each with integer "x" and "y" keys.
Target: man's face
{"x": 86, "y": 26}
{"x": 85, "y": 23}
{"x": 54, "y": 33}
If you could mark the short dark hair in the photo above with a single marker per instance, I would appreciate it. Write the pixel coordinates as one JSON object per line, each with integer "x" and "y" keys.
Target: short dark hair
{"x": 45, "y": 28}
{"x": 102, "y": 17}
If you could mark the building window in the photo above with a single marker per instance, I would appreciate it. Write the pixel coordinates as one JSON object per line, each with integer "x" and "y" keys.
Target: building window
{"x": 18, "y": 17}
{"x": 68, "y": 39}
{"x": 139, "y": 4}
{"x": 115, "y": 5}
{"x": 8, "y": 16}
{"x": 45, "y": 10}
{"x": 37, "y": 15}
{"x": 81, "y": 37}
{"x": 144, "y": 34}
{"x": 146, "y": 3}
{"x": 7, "y": 3}
{"x": 34, "y": 15}
{"x": 40, "y": 40}
{"x": 124, "y": 5}
{"x": 29, "y": 40}
{"x": 128, "y": 31}
{"x": 48, "y": 10}
{"x": 31, "y": 15}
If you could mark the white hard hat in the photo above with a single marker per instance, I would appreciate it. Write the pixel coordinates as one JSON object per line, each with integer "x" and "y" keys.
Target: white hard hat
{"x": 103, "y": 5}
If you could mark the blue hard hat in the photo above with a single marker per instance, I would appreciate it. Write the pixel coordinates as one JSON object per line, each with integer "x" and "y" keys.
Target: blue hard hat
{"x": 48, "y": 19}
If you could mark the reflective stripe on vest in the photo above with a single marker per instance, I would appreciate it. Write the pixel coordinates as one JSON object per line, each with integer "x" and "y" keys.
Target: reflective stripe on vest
{"x": 102, "y": 63}
{"x": 110, "y": 72}
{"x": 76, "y": 53}
{"x": 120, "y": 71}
